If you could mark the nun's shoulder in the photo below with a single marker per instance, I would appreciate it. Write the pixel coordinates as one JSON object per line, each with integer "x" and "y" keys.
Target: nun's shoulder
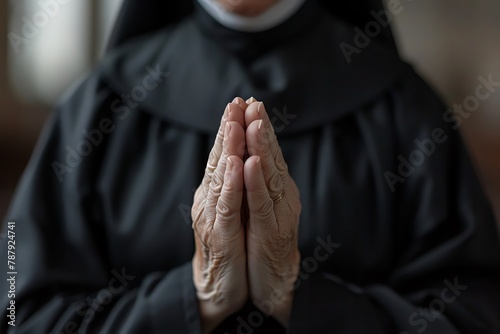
{"x": 379, "y": 67}
{"x": 117, "y": 73}
{"x": 415, "y": 104}
{"x": 83, "y": 102}
{"x": 377, "y": 72}
{"x": 122, "y": 68}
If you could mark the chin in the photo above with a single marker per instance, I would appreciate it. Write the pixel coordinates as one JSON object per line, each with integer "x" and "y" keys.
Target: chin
{"x": 249, "y": 8}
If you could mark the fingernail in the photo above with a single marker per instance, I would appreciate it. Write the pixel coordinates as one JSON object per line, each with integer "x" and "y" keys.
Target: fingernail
{"x": 251, "y": 100}
{"x": 257, "y": 161}
{"x": 236, "y": 100}
{"x": 230, "y": 164}
{"x": 260, "y": 125}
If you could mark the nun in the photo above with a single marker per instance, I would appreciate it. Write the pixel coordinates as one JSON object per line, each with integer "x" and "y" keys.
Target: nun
{"x": 244, "y": 166}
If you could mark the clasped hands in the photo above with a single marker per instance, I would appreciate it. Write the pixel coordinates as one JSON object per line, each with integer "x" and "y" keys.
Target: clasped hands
{"x": 245, "y": 221}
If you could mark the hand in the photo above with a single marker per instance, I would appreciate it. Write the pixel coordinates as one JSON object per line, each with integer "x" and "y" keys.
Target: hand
{"x": 274, "y": 210}
{"x": 219, "y": 263}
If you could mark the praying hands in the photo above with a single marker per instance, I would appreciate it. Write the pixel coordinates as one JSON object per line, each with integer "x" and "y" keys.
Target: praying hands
{"x": 245, "y": 220}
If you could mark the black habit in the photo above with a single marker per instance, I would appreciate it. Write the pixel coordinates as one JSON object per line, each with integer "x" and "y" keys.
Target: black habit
{"x": 396, "y": 234}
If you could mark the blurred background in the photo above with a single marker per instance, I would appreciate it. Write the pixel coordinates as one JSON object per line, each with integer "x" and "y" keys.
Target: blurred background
{"x": 46, "y": 45}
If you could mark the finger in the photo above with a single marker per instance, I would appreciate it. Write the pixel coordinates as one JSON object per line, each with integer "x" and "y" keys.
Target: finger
{"x": 251, "y": 100}
{"x": 260, "y": 205}
{"x": 236, "y": 112}
{"x": 257, "y": 111}
{"x": 233, "y": 113}
{"x": 228, "y": 209}
{"x": 233, "y": 144}
{"x": 240, "y": 102}
{"x": 258, "y": 145}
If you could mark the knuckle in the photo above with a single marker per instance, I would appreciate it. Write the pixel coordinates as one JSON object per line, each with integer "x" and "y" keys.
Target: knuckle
{"x": 228, "y": 187}
{"x": 282, "y": 167}
{"x": 212, "y": 162}
{"x": 275, "y": 183}
{"x": 216, "y": 182}
{"x": 209, "y": 171}
{"x": 207, "y": 178}
{"x": 222, "y": 127}
{"x": 205, "y": 183}
{"x": 224, "y": 211}
{"x": 227, "y": 217}
{"x": 211, "y": 200}
{"x": 213, "y": 159}
{"x": 265, "y": 210}
{"x": 267, "y": 154}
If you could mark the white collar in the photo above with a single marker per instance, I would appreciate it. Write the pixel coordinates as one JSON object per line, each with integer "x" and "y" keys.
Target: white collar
{"x": 271, "y": 18}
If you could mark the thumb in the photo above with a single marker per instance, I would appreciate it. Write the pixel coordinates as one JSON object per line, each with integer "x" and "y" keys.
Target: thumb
{"x": 260, "y": 204}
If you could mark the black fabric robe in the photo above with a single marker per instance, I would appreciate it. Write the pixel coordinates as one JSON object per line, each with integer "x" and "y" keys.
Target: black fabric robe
{"x": 104, "y": 239}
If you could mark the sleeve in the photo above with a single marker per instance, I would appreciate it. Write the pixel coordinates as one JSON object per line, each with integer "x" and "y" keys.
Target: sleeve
{"x": 60, "y": 281}
{"x": 446, "y": 272}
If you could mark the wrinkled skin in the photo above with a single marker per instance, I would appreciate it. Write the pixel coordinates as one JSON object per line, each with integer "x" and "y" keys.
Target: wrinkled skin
{"x": 246, "y": 242}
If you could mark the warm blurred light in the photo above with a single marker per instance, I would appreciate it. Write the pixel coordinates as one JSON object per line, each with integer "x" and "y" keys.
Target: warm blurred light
{"x": 452, "y": 43}
{"x": 51, "y": 44}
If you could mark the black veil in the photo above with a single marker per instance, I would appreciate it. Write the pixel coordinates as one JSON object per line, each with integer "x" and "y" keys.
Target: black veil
{"x": 140, "y": 17}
